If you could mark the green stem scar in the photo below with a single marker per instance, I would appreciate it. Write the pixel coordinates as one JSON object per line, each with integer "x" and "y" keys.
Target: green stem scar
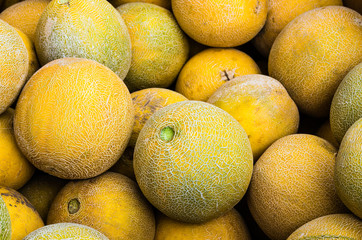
{"x": 73, "y": 206}
{"x": 167, "y": 134}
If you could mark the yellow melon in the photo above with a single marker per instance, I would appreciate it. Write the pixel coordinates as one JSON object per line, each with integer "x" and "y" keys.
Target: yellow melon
{"x": 110, "y": 203}
{"x": 333, "y": 226}
{"x": 74, "y": 118}
{"x": 159, "y": 47}
{"x": 16, "y": 170}
{"x": 61, "y": 231}
{"x": 25, "y": 15}
{"x": 24, "y": 218}
{"x": 14, "y": 65}
{"x": 324, "y": 131}
{"x": 346, "y": 106}
{"x": 280, "y": 13}
{"x": 207, "y": 70}
{"x": 193, "y": 161}
{"x": 220, "y": 23}
{"x": 84, "y": 29}
{"x": 348, "y": 169}
{"x": 161, "y": 3}
{"x": 293, "y": 184}
{"x": 261, "y": 105}
{"x": 314, "y": 52}
{"x": 229, "y": 226}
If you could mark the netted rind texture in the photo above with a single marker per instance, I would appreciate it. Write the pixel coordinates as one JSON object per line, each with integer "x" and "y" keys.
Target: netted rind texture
{"x": 74, "y": 118}
{"x": 84, "y": 29}
{"x": 203, "y": 171}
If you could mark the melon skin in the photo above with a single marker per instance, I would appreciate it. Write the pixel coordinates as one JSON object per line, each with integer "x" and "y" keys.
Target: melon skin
{"x": 84, "y": 29}
{"x": 346, "y": 107}
{"x": 348, "y": 169}
{"x": 202, "y": 171}
{"x": 74, "y": 118}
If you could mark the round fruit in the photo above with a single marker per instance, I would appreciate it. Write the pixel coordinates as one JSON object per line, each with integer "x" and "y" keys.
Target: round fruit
{"x": 193, "y": 161}
{"x": 230, "y": 226}
{"x": 293, "y": 184}
{"x": 348, "y": 169}
{"x": 206, "y": 71}
{"x": 110, "y": 203}
{"x": 5, "y": 222}
{"x": 24, "y": 218}
{"x": 159, "y": 47}
{"x": 84, "y": 29}
{"x": 262, "y": 106}
{"x": 325, "y": 132}
{"x": 147, "y": 102}
{"x": 162, "y": 3}
{"x": 16, "y": 170}
{"x": 25, "y": 15}
{"x": 61, "y": 231}
{"x": 346, "y": 107}
{"x": 280, "y": 13}
{"x": 41, "y": 190}
{"x": 220, "y": 23}
{"x": 14, "y": 65}
{"x": 314, "y": 52}
{"x": 74, "y": 118}
{"x": 333, "y": 226}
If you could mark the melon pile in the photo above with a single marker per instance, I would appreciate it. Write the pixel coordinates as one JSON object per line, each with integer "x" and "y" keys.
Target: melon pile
{"x": 180, "y": 119}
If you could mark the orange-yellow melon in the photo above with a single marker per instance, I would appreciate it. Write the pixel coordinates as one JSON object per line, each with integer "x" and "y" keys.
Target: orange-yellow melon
{"x": 193, "y": 161}
{"x": 314, "y": 52}
{"x": 14, "y": 65}
{"x": 162, "y": 3}
{"x": 16, "y": 170}
{"x": 25, "y": 15}
{"x": 229, "y": 226}
{"x": 61, "y": 231}
{"x": 346, "y": 106}
{"x": 159, "y": 47}
{"x": 280, "y": 13}
{"x": 292, "y": 184}
{"x": 261, "y": 105}
{"x": 220, "y": 23}
{"x": 348, "y": 169}
{"x": 110, "y": 203}
{"x": 207, "y": 70}
{"x": 333, "y": 226}
{"x": 84, "y": 29}
{"x": 73, "y": 118}
{"x": 23, "y": 217}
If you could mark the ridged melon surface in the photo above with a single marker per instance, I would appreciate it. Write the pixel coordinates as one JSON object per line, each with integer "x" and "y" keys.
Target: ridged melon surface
{"x": 14, "y": 65}
{"x": 74, "y": 118}
{"x": 193, "y": 161}
{"x": 346, "y": 107}
{"x": 84, "y": 29}
{"x": 314, "y": 52}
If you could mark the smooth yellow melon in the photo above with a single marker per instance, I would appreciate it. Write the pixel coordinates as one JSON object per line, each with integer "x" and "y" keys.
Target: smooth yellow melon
{"x": 61, "y": 231}
{"x": 84, "y": 29}
{"x": 348, "y": 169}
{"x": 159, "y": 46}
{"x": 220, "y": 23}
{"x": 14, "y": 65}
{"x": 346, "y": 107}
{"x": 25, "y": 15}
{"x": 280, "y": 13}
{"x": 193, "y": 161}
{"x": 110, "y": 203}
{"x": 23, "y": 216}
{"x": 313, "y": 53}
{"x": 229, "y": 226}
{"x": 74, "y": 118}
{"x": 292, "y": 184}
{"x": 261, "y": 105}
{"x": 207, "y": 70}
{"x": 333, "y": 226}
{"x": 16, "y": 170}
